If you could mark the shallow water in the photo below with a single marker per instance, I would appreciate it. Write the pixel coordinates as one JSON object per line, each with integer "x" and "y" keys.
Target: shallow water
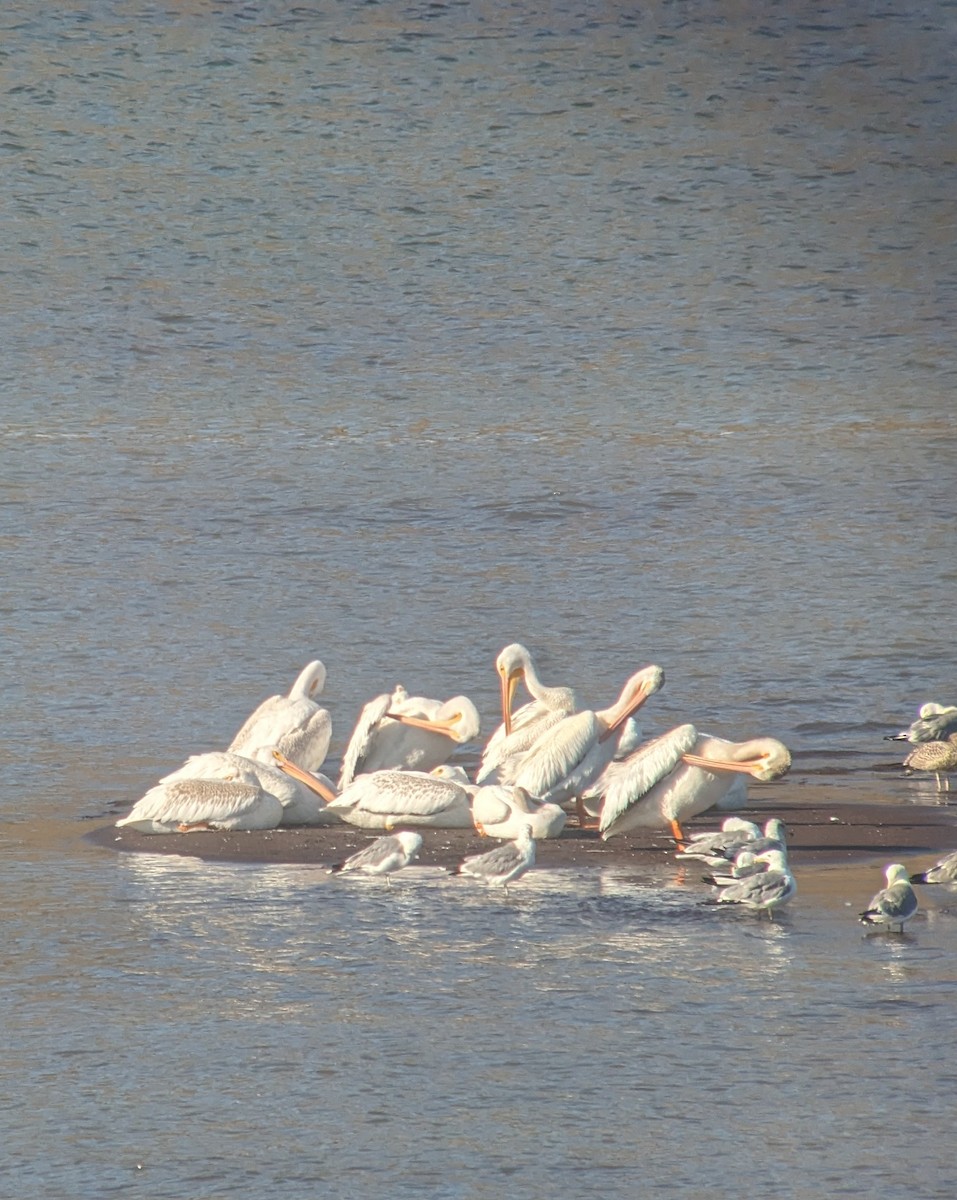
{"x": 391, "y": 334}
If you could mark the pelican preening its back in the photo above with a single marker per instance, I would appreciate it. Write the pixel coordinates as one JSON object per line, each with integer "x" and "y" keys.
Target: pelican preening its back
{"x": 680, "y": 774}
{"x": 411, "y": 733}
{"x": 294, "y": 723}
{"x": 568, "y": 757}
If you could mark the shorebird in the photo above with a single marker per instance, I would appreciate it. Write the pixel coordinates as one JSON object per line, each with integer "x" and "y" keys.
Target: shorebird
{"x": 383, "y": 856}
{"x": 763, "y": 892}
{"x": 939, "y": 757}
{"x": 943, "y": 871}
{"x": 893, "y": 904}
{"x": 503, "y": 864}
{"x": 934, "y": 723}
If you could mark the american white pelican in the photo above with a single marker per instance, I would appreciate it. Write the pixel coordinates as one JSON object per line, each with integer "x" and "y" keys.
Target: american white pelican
{"x": 499, "y": 811}
{"x": 519, "y": 729}
{"x": 943, "y": 871}
{"x": 939, "y": 757}
{"x": 219, "y": 790}
{"x": 680, "y": 774}
{"x": 299, "y": 803}
{"x": 765, "y": 891}
{"x": 567, "y": 758}
{"x": 935, "y": 723}
{"x": 387, "y": 799}
{"x": 294, "y": 723}
{"x": 503, "y": 864}
{"x": 893, "y": 904}
{"x": 384, "y": 855}
{"x": 396, "y": 731}
{"x": 185, "y": 805}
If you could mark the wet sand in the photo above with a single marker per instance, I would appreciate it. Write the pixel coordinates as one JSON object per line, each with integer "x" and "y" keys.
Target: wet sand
{"x": 822, "y": 831}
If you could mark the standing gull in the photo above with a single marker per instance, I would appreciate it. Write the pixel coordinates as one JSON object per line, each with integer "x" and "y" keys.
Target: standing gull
{"x": 384, "y": 855}
{"x": 503, "y": 864}
{"x": 765, "y": 891}
{"x": 939, "y": 757}
{"x": 893, "y": 904}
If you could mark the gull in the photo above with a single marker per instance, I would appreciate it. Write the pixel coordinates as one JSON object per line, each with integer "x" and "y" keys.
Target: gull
{"x": 383, "y": 856}
{"x": 765, "y": 891}
{"x": 939, "y": 757}
{"x": 503, "y": 864}
{"x": 943, "y": 871}
{"x": 893, "y": 904}
{"x": 934, "y": 723}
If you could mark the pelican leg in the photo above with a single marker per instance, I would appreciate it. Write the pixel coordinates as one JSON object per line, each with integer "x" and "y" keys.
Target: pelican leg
{"x": 193, "y": 826}
{"x": 584, "y": 820}
{"x": 678, "y": 834}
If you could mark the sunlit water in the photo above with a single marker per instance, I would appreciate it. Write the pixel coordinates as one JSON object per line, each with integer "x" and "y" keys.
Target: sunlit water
{"x": 390, "y": 334}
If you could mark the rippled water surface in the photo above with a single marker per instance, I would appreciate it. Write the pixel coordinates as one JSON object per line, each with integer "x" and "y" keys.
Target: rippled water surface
{"x": 390, "y": 334}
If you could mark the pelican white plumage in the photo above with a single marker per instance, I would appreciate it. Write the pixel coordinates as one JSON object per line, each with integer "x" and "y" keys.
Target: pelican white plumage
{"x": 894, "y": 904}
{"x": 396, "y": 731}
{"x": 938, "y": 758}
{"x": 383, "y": 856}
{"x": 499, "y": 811}
{"x": 187, "y": 805}
{"x": 503, "y": 864}
{"x": 934, "y": 723}
{"x": 680, "y": 774}
{"x": 943, "y": 871}
{"x": 764, "y": 891}
{"x": 180, "y": 801}
{"x": 294, "y": 723}
{"x": 568, "y": 757}
{"x": 518, "y": 730}
{"x": 388, "y": 799}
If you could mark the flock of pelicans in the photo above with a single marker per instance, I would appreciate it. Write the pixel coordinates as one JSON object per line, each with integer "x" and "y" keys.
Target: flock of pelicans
{"x": 546, "y": 760}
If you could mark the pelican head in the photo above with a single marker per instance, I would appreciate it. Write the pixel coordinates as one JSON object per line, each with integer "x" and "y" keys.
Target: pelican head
{"x": 761, "y": 758}
{"x": 310, "y": 681}
{"x": 637, "y": 689}
{"x": 457, "y": 719}
{"x": 512, "y": 664}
